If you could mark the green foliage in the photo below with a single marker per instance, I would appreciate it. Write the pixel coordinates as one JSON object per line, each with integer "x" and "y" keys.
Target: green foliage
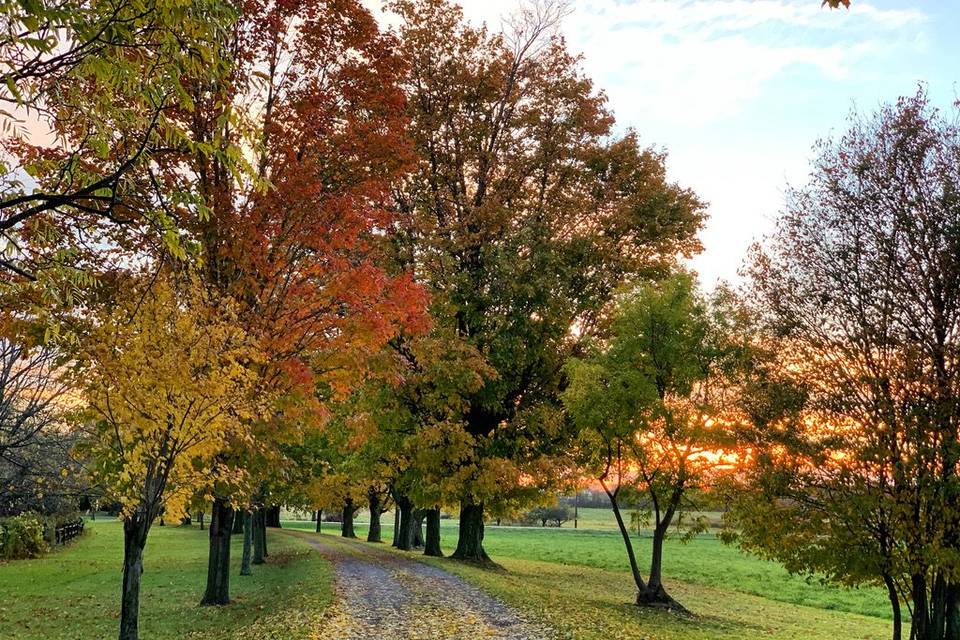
{"x": 110, "y": 81}
{"x": 22, "y": 537}
{"x": 653, "y": 405}
{"x": 653, "y": 400}
{"x": 522, "y": 216}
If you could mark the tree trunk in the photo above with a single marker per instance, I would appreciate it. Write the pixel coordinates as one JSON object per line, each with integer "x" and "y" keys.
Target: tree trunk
{"x": 655, "y": 594}
{"x": 319, "y": 520}
{"x": 918, "y": 619}
{"x": 273, "y": 517}
{"x": 396, "y": 523}
{"x": 953, "y": 612}
{"x": 313, "y": 516}
{"x": 218, "y": 567}
{"x": 432, "y": 543}
{"x": 417, "y": 524}
{"x": 374, "y": 502}
{"x": 247, "y": 543}
{"x": 259, "y": 537}
{"x": 404, "y": 535}
{"x": 200, "y": 518}
{"x": 346, "y": 520}
{"x": 894, "y": 606}
{"x": 934, "y": 612}
{"x": 938, "y": 606}
{"x": 470, "y": 542}
{"x": 135, "y": 531}
{"x": 237, "y": 524}
{"x": 930, "y": 611}
{"x": 263, "y": 533}
{"x": 625, "y": 534}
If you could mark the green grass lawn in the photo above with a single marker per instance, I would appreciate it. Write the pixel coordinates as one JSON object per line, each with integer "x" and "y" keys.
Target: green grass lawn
{"x": 703, "y": 561}
{"x": 593, "y": 518}
{"x": 73, "y": 593}
{"x": 588, "y": 603}
{"x": 587, "y": 518}
{"x": 576, "y": 580}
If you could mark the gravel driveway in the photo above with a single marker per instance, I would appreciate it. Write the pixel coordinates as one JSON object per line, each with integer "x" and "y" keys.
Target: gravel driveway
{"x": 380, "y": 594}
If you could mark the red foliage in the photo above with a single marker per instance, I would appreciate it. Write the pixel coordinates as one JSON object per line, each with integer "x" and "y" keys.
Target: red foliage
{"x": 304, "y": 253}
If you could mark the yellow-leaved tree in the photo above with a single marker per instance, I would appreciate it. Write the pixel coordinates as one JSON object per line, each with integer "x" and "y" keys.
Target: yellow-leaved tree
{"x": 166, "y": 380}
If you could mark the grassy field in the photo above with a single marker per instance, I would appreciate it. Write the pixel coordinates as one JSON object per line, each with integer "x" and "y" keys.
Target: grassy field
{"x": 588, "y": 518}
{"x": 585, "y": 603}
{"x": 703, "y": 561}
{"x": 591, "y": 518}
{"x": 588, "y": 603}
{"x": 576, "y": 580}
{"x": 579, "y": 580}
{"x": 73, "y": 593}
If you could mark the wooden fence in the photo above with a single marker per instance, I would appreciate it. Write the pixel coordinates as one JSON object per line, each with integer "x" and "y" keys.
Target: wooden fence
{"x": 67, "y": 531}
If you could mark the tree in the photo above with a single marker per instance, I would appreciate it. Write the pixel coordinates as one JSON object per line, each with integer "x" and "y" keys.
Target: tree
{"x": 859, "y": 288}
{"x": 653, "y": 405}
{"x": 423, "y": 418}
{"x": 521, "y": 217}
{"x": 555, "y": 514}
{"x": 298, "y": 242}
{"x": 109, "y": 80}
{"x": 378, "y": 503}
{"x": 31, "y": 385}
{"x": 165, "y": 380}
{"x": 558, "y": 515}
{"x": 348, "y": 510}
{"x": 37, "y": 472}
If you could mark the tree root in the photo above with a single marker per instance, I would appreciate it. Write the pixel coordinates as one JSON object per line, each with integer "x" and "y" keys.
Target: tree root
{"x": 660, "y": 599}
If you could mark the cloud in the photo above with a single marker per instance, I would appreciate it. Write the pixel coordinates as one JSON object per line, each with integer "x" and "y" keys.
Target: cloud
{"x": 700, "y": 62}
{"x": 697, "y": 62}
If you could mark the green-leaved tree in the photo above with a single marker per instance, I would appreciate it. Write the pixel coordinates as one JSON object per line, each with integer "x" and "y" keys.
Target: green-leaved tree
{"x": 654, "y": 404}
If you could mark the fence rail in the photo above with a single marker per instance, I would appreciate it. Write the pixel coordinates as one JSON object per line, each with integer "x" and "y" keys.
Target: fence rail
{"x": 67, "y": 531}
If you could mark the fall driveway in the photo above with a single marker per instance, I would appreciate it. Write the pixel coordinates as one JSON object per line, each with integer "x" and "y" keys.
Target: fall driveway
{"x": 380, "y": 594}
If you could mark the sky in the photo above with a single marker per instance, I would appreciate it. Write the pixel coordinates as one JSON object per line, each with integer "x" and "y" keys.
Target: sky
{"x": 738, "y": 91}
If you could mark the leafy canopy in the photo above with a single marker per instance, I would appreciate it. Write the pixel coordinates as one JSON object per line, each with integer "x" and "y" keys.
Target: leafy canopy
{"x": 165, "y": 376}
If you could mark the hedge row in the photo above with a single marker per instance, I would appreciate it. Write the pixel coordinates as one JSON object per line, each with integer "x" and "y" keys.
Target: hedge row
{"x": 29, "y": 535}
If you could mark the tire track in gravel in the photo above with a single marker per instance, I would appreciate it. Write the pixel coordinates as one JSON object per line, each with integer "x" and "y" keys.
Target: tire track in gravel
{"x": 379, "y": 594}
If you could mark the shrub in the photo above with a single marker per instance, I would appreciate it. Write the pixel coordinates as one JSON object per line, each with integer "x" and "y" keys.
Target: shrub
{"x": 552, "y": 516}
{"x": 29, "y": 535}
{"x": 22, "y": 537}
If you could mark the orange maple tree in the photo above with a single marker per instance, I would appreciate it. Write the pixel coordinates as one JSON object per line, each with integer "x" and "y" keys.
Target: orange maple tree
{"x": 314, "y": 106}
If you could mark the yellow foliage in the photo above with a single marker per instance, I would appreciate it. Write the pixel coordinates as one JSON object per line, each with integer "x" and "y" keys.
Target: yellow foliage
{"x": 166, "y": 378}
